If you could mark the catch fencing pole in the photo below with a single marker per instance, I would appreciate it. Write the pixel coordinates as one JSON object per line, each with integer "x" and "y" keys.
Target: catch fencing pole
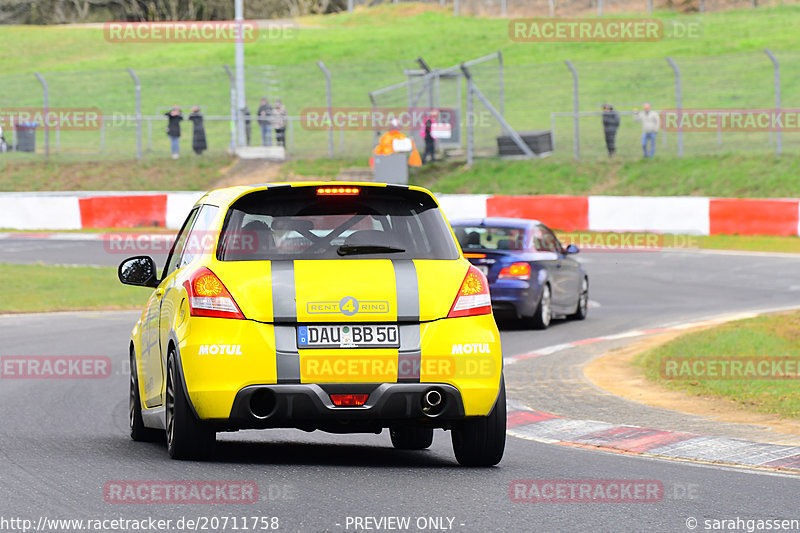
{"x": 329, "y": 96}
{"x": 777, "y": 70}
{"x": 234, "y": 129}
{"x": 678, "y": 102}
{"x": 46, "y": 94}
{"x": 239, "y": 54}
{"x": 470, "y": 122}
{"x": 575, "y": 112}
{"x": 138, "y": 88}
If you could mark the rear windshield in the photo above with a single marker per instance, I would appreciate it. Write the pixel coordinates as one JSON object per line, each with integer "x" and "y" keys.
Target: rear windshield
{"x": 297, "y": 223}
{"x": 489, "y": 238}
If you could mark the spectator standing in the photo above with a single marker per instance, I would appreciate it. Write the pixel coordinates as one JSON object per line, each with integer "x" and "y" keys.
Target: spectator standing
{"x": 264, "y": 112}
{"x": 199, "y": 131}
{"x": 430, "y": 143}
{"x": 279, "y": 120}
{"x": 174, "y": 118}
{"x": 248, "y": 127}
{"x": 651, "y": 123}
{"x": 610, "y": 126}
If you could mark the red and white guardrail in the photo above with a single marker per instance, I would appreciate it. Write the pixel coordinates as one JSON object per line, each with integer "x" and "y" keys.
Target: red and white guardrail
{"x": 656, "y": 214}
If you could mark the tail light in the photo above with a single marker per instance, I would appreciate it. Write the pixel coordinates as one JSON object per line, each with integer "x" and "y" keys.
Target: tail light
{"x": 208, "y": 296}
{"x": 345, "y": 191}
{"x": 349, "y": 400}
{"x": 516, "y": 271}
{"x": 473, "y": 296}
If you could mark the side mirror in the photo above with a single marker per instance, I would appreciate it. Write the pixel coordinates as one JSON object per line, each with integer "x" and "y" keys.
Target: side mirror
{"x": 139, "y": 271}
{"x": 572, "y": 249}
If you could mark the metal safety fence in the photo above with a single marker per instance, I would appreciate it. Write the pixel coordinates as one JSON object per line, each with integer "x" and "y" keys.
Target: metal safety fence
{"x": 130, "y": 104}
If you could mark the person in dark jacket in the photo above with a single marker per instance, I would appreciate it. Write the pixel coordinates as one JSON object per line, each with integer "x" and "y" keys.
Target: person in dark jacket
{"x": 430, "y": 144}
{"x": 199, "y": 131}
{"x": 264, "y": 112}
{"x": 610, "y": 126}
{"x": 174, "y": 117}
{"x": 247, "y": 124}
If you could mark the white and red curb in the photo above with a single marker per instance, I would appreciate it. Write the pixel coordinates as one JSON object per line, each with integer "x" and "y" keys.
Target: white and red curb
{"x": 665, "y": 214}
{"x": 529, "y": 424}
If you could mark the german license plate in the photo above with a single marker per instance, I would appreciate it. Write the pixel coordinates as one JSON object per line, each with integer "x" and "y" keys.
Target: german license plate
{"x": 348, "y": 336}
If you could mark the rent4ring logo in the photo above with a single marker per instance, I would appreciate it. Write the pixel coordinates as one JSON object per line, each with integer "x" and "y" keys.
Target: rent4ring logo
{"x": 348, "y": 306}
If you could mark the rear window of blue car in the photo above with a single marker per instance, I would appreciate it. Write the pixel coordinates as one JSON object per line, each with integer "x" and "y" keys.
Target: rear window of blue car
{"x": 298, "y": 223}
{"x": 489, "y": 237}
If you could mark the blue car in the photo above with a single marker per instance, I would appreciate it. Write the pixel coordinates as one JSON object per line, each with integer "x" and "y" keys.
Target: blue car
{"x": 531, "y": 275}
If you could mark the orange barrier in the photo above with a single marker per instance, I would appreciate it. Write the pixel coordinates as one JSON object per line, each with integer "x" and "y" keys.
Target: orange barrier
{"x": 124, "y": 211}
{"x": 568, "y": 213}
{"x": 753, "y": 217}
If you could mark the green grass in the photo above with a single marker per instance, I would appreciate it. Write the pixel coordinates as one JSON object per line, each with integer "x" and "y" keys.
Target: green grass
{"x": 762, "y": 338}
{"x": 363, "y": 54}
{"x": 31, "y": 288}
{"x": 745, "y": 176}
{"x": 322, "y": 168}
{"x": 186, "y": 174}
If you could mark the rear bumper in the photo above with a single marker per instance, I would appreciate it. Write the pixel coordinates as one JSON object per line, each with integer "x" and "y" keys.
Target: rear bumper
{"x": 519, "y": 299}
{"x": 309, "y": 406}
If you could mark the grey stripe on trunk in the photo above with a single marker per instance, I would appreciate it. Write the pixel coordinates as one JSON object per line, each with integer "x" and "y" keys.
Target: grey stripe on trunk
{"x": 284, "y": 309}
{"x": 410, "y": 353}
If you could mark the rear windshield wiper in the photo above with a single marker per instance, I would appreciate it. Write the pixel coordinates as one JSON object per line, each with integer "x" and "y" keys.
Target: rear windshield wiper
{"x": 367, "y": 249}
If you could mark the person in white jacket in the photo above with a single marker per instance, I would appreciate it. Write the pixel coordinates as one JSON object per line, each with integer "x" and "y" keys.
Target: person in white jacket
{"x": 651, "y": 123}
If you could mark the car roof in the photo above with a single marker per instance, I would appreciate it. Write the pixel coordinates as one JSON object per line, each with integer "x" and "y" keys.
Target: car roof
{"x": 225, "y": 197}
{"x": 502, "y": 222}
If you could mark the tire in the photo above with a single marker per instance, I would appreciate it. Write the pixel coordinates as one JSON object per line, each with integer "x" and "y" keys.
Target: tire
{"x": 544, "y": 311}
{"x": 583, "y": 302}
{"x": 139, "y": 432}
{"x": 482, "y": 441}
{"x": 411, "y": 437}
{"x": 187, "y": 438}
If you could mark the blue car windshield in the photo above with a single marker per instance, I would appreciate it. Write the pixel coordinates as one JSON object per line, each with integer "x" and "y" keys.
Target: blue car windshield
{"x": 490, "y": 238}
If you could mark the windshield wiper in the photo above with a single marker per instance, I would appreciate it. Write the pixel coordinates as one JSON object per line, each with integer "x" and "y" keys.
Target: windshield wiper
{"x": 367, "y": 249}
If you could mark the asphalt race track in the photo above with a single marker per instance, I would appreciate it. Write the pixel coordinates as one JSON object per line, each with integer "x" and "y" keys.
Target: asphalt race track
{"x": 62, "y": 441}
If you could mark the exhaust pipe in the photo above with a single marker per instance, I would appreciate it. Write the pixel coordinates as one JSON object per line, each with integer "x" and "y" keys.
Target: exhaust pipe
{"x": 263, "y": 404}
{"x": 433, "y": 398}
{"x": 432, "y": 402}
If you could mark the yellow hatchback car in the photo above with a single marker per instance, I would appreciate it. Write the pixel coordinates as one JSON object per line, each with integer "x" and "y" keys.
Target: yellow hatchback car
{"x": 342, "y": 307}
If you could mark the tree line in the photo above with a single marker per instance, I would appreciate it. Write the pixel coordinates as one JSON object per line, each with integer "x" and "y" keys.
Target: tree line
{"x": 71, "y": 11}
